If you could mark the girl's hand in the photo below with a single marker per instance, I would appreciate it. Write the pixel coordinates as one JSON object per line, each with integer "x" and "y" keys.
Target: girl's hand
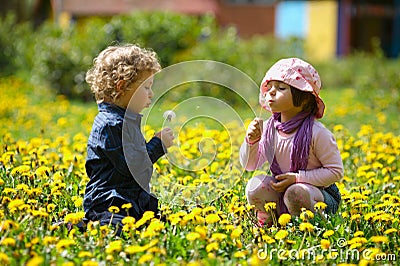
{"x": 283, "y": 181}
{"x": 254, "y": 130}
{"x": 167, "y": 137}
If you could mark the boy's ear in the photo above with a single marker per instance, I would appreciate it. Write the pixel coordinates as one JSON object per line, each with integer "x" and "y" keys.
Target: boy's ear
{"x": 120, "y": 86}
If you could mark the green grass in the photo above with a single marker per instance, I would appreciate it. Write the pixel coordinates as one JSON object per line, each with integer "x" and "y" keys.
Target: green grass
{"x": 207, "y": 219}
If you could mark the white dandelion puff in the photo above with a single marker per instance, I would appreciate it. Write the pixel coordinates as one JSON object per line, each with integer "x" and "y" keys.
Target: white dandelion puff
{"x": 169, "y": 115}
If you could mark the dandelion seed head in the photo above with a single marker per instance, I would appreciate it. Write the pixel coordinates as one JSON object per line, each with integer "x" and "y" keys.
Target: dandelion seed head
{"x": 169, "y": 115}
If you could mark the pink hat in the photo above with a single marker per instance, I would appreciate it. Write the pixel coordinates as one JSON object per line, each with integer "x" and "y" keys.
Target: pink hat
{"x": 298, "y": 74}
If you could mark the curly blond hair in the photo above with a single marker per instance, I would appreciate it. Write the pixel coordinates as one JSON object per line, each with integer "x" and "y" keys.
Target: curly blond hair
{"x": 119, "y": 63}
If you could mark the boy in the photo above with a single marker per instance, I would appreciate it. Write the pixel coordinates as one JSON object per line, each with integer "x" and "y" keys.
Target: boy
{"x": 120, "y": 167}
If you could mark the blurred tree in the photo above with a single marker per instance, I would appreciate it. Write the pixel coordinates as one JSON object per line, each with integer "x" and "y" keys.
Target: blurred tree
{"x": 36, "y": 11}
{"x": 41, "y": 12}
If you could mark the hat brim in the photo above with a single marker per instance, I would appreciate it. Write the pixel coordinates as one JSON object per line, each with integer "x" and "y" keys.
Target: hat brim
{"x": 320, "y": 104}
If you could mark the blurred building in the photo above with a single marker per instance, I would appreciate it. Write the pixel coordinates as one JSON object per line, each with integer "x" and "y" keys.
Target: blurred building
{"x": 329, "y": 28}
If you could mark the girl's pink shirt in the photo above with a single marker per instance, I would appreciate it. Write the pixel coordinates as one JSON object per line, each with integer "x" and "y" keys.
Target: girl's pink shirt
{"x": 324, "y": 166}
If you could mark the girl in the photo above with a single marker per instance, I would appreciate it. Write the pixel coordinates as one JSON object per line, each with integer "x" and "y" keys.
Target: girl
{"x": 303, "y": 155}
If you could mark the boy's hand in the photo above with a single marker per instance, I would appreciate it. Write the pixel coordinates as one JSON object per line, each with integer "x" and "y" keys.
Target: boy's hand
{"x": 254, "y": 130}
{"x": 167, "y": 137}
{"x": 283, "y": 181}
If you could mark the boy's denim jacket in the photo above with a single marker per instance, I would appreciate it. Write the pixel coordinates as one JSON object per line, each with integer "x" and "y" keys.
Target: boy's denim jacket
{"x": 119, "y": 162}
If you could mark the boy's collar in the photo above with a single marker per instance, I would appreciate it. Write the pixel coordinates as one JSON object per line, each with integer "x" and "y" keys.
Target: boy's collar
{"x": 108, "y": 105}
{"x": 122, "y": 111}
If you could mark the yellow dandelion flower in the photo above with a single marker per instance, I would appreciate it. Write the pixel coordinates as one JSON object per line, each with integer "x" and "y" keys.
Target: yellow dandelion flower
{"x": 306, "y": 227}
{"x": 389, "y": 231}
{"x": 269, "y": 206}
{"x": 268, "y": 239}
{"x": 43, "y": 171}
{"x": 240, "y": 254}
{"x": 290, "y": 242}
{"x": 35, "y": 261}
{"x": 212, "y": 218}
{"x": 199, "y": 220}
{"x": 20, "y": 170}
{"x": 229, "y": 227}
{"x": 78, "y": 201}
{"x": 8, "y": 241}
{"x": 195, "y": 263}
{"x": 135, "y": 249}
{"x": 156, "y": 250}
{"x": 126, "y": 206}
{"x": 249, "y": 207}
{"x": 325, "y": 244}
{"x": 153, "y": 229}
{"x": 379, "y": 239}
{"x": 284, "y": 219}
{"x": 320, "y": 206}
{"x": 338, "y": 127}
{"x": 48, "y": 240}
{"x": 90, "y": 263}
{"x": 212, "y": 247}
{"x": 114, "y": 246}
{"x": 385, "y": 197}
{"x": 145, "y": 258}
{"x": 239, "y": 243}
{"x": 370, "y": 253}
{"x": 104, "y": 229}
{"x": 50, "y": 207}
{"x": 196, "y": 211}
{"x": 208, "y": 209}
{"x": 345, "y": 155}
{"x": 237, "y": 232}
{"x": 74, "y": 218}
{"x": 202, "y": 230}
{"x": 113, "y": 209}
{"x": 5, "y": 199}
{"x": 64, "y": 243}
{"x": 356, "y": 242}
{"x": 332, "y": 255}
{"x": 58, "y": 176}
{"x": 370, "y": 215}
{"x": 306, "y": 215}
{"x": 14, "y": 204}
{"x": 192, "y": 236}
{"x": 9, "y": 224}
{"x": 359, "y": 233}
{"x": 281, "y": 234}
{"x": 328, "y": 233}
{"x": 23, "y": 187}
{"x": 355, "y": 245}
{"x": 146, "y": 217}
{"x": 174, "y": 219}
{"x": 92, "y": 225}
{"x": 4, "y": 259}
{"x": 125, "y": 228}
{"x": 218, "y": 236}
{"x": 128, "y": 220}
{"x": 356, "y": 216}
{"x": 85, "y": 254}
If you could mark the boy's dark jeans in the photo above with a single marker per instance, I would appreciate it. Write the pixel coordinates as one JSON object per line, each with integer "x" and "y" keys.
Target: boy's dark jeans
{"x": 145, "y": 202}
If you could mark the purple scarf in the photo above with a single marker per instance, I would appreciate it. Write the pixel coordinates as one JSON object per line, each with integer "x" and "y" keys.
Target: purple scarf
{"x": 301, "y": 144}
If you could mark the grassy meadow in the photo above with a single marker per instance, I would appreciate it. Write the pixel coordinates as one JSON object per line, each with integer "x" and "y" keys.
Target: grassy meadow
{"x": 206, "y": 219}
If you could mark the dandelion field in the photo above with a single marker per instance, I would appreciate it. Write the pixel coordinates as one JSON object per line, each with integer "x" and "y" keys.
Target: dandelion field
{"x": 42, "y": 181}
